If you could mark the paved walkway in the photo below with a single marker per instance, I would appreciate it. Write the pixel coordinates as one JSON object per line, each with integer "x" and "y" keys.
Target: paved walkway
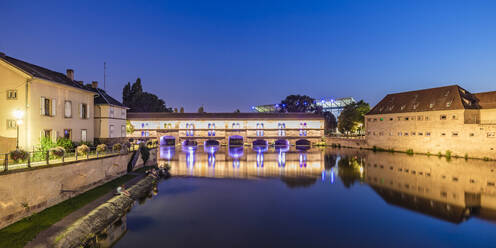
{"x": 45, "y": 237}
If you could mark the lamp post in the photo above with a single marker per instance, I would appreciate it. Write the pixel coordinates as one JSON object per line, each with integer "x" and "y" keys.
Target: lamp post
{"x": 18, "y": 114}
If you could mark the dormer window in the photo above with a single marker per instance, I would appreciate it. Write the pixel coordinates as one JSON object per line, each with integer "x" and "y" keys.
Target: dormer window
{"x": 446, "y": 93}
{"x": 403, "y": 107}
{"x": 415, "y": 105}
{"x": 448, "y": 104}
{"x": 391, "y": 107}
{"x": 431, "y": 105}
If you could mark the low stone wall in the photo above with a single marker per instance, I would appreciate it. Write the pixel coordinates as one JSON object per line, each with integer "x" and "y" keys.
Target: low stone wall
{"x": 97, "y": 220}
{"x": 23, "y": 193}
{"x": 347, "y": 142}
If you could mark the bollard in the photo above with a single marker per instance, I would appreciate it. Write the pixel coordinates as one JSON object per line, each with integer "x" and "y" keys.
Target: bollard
{"x": 29, "y": 160}
{"x": 75, "y": 153}
{"x": 97, "y": 154}
{"x": 6, "y": 162}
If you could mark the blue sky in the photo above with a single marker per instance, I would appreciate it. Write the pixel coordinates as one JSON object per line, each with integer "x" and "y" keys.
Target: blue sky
{"x": 233, "y": 54}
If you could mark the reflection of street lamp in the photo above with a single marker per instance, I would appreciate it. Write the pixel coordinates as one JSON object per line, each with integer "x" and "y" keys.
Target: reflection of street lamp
{"x": 18, "y": 114}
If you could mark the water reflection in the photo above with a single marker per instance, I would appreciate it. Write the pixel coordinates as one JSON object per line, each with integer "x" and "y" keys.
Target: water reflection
{"x": 449, "y": 190}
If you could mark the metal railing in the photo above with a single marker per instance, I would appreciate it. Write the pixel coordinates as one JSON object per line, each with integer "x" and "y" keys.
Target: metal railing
{"x": 44, "y": 158}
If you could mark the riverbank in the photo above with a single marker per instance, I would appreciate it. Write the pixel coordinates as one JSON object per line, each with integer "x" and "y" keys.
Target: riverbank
{"x": 85, "y": 229}
{"x": 27, "y": 229}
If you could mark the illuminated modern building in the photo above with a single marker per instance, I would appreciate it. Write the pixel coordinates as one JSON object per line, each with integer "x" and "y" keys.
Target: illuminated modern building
{"x": 328, "y": 105}
{"x": 435, "y": 121}
{"x": 290, "y": 128}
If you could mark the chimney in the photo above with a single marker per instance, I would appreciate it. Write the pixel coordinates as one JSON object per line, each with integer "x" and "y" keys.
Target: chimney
{"x": 94, "y": 84}
{"x": 70, "y": 74}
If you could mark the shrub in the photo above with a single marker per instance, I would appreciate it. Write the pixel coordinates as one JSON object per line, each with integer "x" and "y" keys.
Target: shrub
{"x": 145, "y": 152}
{"x": 82, "y": 149}
{"x": 486, "y": 159}
{"x": 101, "y": 148}
{"x": 409, "y": 151}
{"x": 65, "y": 143}
{"x": 448, "y": 154}
{"x": 117, "y": 147}
{"x": 19, "y": 155}
{"x": 439, "y": 154}
{"x": 57, "y": 152}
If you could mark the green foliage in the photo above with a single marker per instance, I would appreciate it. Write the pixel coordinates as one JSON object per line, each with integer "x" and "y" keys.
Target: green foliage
{"x": 409, "y": 151}
{"x": 25, "y": 230}
{"x": 101, "y": 148}
{"x": 466, "y": 156}
{"x": 145, "y": 152}
{"x": 486, "y": 159}
{"x": 138, "y": 100}
{"x": 201, "y": 110}
{"x": 181, "y": 110}
{"x": 19, "y": 155}
{"x": 65, "y": 143}
{"x": 57, "y": 152}
{"x": 448, "y": 154}
{"x": 129, "y": 127}
{"x": 299, "y": 103}
{"x": 351, "y": 119}
{"x": 83, "y": 150}
{"x": 117, "y": 147}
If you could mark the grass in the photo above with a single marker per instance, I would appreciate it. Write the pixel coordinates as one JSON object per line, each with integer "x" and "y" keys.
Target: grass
{"x": 25, "y": 230}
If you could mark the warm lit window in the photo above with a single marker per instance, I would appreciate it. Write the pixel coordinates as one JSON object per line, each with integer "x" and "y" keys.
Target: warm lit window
{"x": 47, "y": 133}
{"x": 48, "y": 106}
{"x": 11, "y": 94}
{"x": 67, "y": 109}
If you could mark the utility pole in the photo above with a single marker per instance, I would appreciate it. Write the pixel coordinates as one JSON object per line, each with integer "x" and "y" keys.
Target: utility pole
{"x": 104, "y": 76}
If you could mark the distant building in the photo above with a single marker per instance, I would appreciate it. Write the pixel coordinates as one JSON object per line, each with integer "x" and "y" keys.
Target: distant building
{"x": 435, "y": 121}
{"x": 265, "y": 128}
{"x": 110, "y": 117}
{"x": 328, "y": 105}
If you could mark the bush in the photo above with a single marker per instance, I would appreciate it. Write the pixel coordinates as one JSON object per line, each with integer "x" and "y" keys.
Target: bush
{"x": 101, "y": 148}
{"x": 19, "y": 155}
{"x": 117, "y": 147}
{"x": 145, "y": 152}
{"x": 82, "y": 150}
{"x": 57, "y": 152}
{"x": 65, "y": 143}
{"x": 409, "y": 151}
{"x": 448, "y": 154}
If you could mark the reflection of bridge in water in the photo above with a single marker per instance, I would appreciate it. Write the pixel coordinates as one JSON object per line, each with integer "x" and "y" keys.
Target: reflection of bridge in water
{"x": 242, "y": 162}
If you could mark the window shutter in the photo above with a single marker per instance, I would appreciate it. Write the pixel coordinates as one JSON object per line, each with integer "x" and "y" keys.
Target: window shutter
{"x": 54, "y": 107}
{"x": 81, "y": 110}
{"x": 42, "y": 106}
{"x": 87, "y": 111}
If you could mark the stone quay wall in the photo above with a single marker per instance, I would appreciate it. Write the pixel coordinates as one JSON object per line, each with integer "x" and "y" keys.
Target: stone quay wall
{"x": 24, "y": 193}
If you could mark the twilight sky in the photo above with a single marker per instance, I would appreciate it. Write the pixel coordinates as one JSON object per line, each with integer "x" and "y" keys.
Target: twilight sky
{"x": 235, "y": 54}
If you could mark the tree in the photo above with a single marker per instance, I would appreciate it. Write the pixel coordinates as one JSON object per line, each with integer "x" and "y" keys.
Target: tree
{"x": 352, "y": 117}
{"x": 201, "y": 110}
{"x": 137, "y": 100}
{"x": 129, "y": 127}
{"x": 182, "y": 110}
{"x": 237, "y": 111}
{"x": 175, "y": 110}
{"x": 330, "y": 122}
{"x": 299, "y": 103}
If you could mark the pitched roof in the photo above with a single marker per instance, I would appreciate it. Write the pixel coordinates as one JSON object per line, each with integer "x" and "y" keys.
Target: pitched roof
{"x": 103, "y": 97}
{"x": 442, "y": 98}
{"x": 487, "y": 100}
{"x": 40, "y": 72}
{"x": 189, "y": 116}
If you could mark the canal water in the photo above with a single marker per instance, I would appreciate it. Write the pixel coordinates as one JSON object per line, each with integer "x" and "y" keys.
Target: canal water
{"x": 315, "y": 198}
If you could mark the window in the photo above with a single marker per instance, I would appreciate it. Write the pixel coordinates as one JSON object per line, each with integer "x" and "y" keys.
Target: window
{"x": 406, "y": 118}
{"x": 420, "y": 118}
{"x": 48, "y": 106}
{"x": 11, "y": 124}
{"x": 453, "y": 117}
{"x": 427, "y": 133}
{"x": 391, "y": 118}
{"x": 427, "y": 118}
{"x": 431, "y": 105}
{"x": 443, "y": 134}
{"x": 443, "y": 117}
{"x": 47, "y": 133}
{"x": 68, "y": 133}
{"x": 413, "y": 133}
{"x": 211, "y": 129}
{"x": 282, "y": 127}
{"x": 399, "y": 133}
{"x": 406, "y": 133}
{"x": 111, "y": 112}
{"x": 84, "y": 137}
{"x": 111, "y": 131}
{"x": 471, "y": 135}
{"x": 123, "y": 113}
{"x": 454, "y": 134}
{"x": 67, "y": 109}
{"x": 11, "y": 94}
{"x": 490, "y": 134}
{"x": 84, "y": 111}
{"x": 123, "y": 131}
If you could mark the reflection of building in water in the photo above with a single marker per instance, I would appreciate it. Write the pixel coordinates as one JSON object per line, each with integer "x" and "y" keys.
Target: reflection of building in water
{"x": 112, "y": 233}
{"x": 451, "y": 190}
{"x": 244, "y": 162}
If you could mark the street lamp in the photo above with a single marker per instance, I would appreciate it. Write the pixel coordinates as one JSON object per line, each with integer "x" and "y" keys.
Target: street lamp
{"x": 18, "y": 114}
